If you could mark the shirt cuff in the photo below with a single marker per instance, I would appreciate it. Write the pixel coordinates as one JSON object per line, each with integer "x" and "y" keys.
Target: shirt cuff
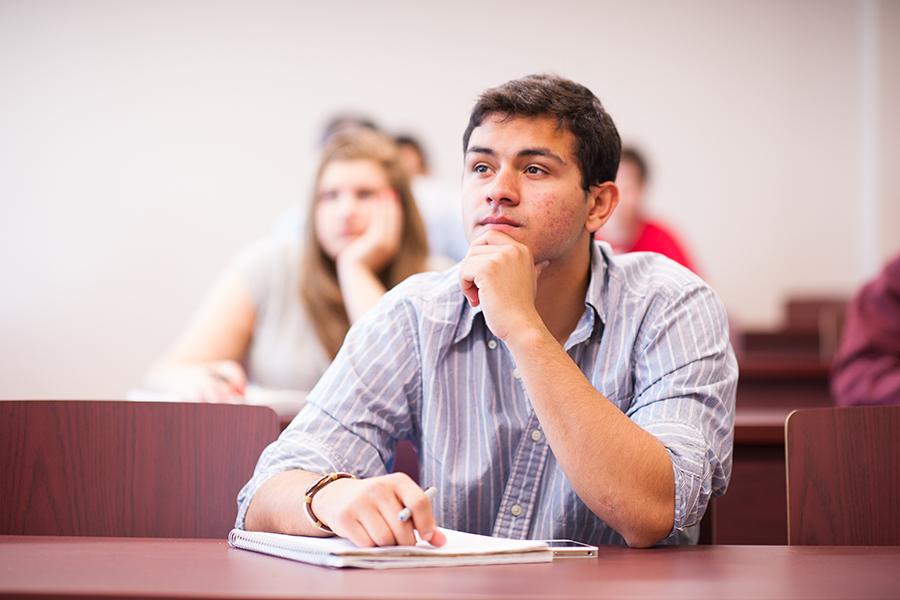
{"x": 691, "y": 469}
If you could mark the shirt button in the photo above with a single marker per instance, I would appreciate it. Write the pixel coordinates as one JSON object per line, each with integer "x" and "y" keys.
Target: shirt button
{"x": 516, "y": 510}
{"x": 536, "y": 435}
{"x": 492, "y": 344}
{"x": 516, "y": 374}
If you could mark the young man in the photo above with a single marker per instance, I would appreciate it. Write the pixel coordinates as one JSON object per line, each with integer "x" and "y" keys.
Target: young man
{"x": 630, "y": 229}
{"x": 553, "y": 390}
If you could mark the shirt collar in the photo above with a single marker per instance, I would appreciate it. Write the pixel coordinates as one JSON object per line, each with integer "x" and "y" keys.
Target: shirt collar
{"x": 467, "y": 320}
{"x": 591, "y": 322}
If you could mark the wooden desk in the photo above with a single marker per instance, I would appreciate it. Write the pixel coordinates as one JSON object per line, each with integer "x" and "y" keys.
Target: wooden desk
{"x": 49, "y": 567}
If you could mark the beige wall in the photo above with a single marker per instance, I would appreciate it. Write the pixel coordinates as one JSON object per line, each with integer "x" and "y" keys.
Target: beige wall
{"x": 142, "y": 144}
{"x": 889, "y": 52}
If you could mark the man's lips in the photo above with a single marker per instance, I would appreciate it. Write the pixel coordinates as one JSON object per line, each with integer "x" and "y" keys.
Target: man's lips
{"x": 499, "y": 220}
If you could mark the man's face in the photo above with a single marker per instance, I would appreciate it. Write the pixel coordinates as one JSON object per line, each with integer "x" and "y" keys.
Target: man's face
{"x": 522, "y": 178}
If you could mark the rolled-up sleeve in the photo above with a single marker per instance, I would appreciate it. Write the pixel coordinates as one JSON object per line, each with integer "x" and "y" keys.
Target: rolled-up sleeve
{"x": 358, "y": 411}
{"x": 685, "y": 386}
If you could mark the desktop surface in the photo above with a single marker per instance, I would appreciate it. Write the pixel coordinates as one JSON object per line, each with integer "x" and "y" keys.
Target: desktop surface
{"x": 83, "y": 567}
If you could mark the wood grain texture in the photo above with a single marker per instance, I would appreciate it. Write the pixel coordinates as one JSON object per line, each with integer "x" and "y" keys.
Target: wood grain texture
{"x": 45, "y": 567}
{"x": 110, "y": 468}
{"x": 843, "y": 476}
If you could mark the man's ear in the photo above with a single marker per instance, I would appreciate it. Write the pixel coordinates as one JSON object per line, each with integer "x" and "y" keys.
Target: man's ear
{"x": 603, "y": 198}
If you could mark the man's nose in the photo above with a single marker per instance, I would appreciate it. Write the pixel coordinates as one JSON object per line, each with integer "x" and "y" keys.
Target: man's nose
{"x": 504, "y": 188}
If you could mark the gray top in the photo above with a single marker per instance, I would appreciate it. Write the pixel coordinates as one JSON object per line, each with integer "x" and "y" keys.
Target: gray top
{"x": 285, "y": 352}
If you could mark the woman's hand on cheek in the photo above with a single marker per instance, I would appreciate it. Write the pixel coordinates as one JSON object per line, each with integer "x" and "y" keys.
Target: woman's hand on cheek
{"x": 380, "y": 242}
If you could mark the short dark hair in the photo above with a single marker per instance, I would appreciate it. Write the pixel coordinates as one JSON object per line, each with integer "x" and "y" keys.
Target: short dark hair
{"x": 405, "y": 139}
{"x": 575, "y": 107}
{"x": 634, "y": 156}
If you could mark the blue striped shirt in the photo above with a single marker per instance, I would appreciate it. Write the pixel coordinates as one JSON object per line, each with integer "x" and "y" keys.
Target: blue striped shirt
{"x": 423, "y": 366}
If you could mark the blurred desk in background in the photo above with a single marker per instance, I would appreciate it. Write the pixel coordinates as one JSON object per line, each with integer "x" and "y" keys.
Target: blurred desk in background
{"x": 771, "y": 386}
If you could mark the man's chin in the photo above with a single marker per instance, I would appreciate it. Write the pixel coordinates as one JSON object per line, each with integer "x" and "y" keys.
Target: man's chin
{"x": 512, "y": 231}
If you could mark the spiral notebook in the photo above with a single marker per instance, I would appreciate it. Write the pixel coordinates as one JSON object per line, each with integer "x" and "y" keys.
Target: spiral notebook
{"x": 460, "y": 549}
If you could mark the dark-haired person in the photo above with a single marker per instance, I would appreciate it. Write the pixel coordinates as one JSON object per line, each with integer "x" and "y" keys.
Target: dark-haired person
{"x": 437, "y": 201}
{"x": 630, "y": 229}
{"x": 554, "y": 390}
{"x": 412, "y": 155}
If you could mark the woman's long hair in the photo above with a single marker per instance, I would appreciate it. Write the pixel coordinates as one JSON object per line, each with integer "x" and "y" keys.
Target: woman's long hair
{"x": 320, "y": 292}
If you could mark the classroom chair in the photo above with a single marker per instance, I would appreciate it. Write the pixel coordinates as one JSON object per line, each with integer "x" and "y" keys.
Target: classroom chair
{"x": 130, "y": 469}
{"x": 843, "y": 476}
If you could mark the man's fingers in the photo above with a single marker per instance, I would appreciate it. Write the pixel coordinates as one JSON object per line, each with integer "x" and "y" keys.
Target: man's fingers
{"x": 373, "y": 521}
{"x": 419, "y": 505}
{"x": 354, "y": 531}
{"x": 470, "y": 290}
{"x": 438, "y": 538}
{"x": 473, "y": 267}
{"x": 483, "y": 250}
{"x": 467, "y": 274}
{"x": 402, "y": 530}
{"x": 492, "y": 236}
{"x": 370, "y": 515}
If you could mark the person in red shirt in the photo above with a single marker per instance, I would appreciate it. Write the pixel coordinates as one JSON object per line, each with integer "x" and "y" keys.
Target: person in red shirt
{"x": 866, "y": 369}
{"x": 629, "y": 229}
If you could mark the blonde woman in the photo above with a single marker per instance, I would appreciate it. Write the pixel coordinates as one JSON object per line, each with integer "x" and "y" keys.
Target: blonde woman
{"x": 278, "y": 316}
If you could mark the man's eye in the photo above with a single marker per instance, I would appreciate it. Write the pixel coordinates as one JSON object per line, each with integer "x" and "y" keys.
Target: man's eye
{"x": 480, "y": 168}
{"x": 535, "y": 170}
{"x": 365, "y": 194}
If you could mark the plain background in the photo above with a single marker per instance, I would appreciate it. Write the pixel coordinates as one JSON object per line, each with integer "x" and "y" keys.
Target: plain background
{"x": 142, "y": 144}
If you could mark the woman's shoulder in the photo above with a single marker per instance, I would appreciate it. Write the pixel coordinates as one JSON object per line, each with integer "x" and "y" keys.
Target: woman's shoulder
{"x": 265, "y": 252}
{"x": 268, "y": 265}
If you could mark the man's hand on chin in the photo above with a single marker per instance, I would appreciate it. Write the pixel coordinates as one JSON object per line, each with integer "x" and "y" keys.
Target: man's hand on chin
{"x": 499, "y": 274}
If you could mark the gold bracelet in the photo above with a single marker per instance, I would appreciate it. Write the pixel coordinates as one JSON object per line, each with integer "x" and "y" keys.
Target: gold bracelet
{"x": 314, "y": 489}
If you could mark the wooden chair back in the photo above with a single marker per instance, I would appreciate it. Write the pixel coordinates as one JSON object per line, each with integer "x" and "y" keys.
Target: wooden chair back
{"x": 843, "y": 476}
{"x": 131, "y": 469}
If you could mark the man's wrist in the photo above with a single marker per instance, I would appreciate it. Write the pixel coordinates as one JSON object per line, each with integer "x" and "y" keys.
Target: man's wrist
{"x": 528, "y": 336}
{"x": 313, "y": 493}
